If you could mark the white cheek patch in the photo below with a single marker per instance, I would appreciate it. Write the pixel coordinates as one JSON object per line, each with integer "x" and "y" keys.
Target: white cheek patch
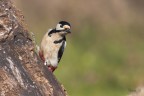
{"x": 58, "y": 27}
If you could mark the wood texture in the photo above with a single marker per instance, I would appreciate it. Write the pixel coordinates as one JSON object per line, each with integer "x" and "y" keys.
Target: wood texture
{"x": 21, "y": 70}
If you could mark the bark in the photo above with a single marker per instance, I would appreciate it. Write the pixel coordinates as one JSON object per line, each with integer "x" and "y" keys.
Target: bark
{"x": 22, "y": 73}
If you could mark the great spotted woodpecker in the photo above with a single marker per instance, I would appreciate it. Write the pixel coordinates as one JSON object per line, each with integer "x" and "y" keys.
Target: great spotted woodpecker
{"x": 53, "y": 44}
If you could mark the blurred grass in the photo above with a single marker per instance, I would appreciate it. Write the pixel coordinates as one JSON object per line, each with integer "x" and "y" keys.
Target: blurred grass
{"x": 111, "y": 65}
{"x": 105, "y": 52}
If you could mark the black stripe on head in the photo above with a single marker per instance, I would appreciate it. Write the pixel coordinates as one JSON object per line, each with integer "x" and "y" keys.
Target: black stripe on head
{"x": 64, "y": 23}
{"x": 54, "y": 31}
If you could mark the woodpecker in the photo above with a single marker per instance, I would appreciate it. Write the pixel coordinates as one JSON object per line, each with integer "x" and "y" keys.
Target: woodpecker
{"x": 53, "y": 44}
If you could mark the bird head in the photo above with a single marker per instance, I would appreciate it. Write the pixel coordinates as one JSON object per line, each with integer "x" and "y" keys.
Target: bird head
{"x": 63, "y": 27}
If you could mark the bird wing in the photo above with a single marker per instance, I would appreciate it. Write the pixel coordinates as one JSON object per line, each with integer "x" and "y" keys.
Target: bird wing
{"x": 61, "y": 50}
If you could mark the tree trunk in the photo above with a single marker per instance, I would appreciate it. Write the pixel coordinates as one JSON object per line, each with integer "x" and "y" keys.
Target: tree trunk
{"x": 22, "y": 73}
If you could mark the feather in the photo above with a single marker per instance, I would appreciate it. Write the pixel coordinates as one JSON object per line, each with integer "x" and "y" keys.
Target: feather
{"x": 61, "y": 50}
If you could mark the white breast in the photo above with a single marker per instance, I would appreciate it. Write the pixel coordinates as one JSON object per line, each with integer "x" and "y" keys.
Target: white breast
{"x": 50, "y": 49}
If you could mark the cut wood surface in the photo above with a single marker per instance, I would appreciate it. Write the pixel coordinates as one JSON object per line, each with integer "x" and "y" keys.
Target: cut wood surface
{"x": 22, "y": 73}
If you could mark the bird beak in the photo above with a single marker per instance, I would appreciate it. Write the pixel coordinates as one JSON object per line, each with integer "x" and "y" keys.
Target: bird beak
{"x": 68, "y": 31}
{"x": 67, "y": 28}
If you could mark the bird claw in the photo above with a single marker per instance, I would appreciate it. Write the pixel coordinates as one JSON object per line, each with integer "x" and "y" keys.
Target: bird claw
{"x": 46, "y": 62}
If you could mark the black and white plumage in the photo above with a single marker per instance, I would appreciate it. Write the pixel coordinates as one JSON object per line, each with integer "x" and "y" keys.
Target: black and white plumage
{"x": 53, "y": 44}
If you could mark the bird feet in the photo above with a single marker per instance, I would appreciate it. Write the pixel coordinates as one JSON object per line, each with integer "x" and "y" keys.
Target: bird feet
{"x": 50, "y": 67}
{"x": 47, "y": 62}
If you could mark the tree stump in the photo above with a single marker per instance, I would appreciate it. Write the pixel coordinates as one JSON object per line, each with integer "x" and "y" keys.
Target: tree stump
{"x": 22, "y": 73}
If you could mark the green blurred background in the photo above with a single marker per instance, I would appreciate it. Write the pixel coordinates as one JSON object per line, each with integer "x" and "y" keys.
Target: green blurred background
{"x": 105, "y": 52}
